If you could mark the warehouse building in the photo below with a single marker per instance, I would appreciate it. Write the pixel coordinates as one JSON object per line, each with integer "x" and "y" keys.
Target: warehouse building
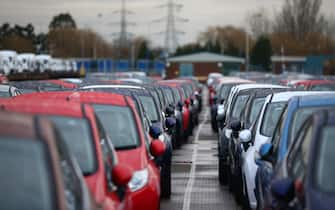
{"x": 201, "y": 64}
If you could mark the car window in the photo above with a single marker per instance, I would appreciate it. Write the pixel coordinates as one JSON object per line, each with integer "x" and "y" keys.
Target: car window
{"x": 77, "y": 135}
{"x": 239, "y": 105}
{"x": 120, "y": 124}
{"x": 277, "y": 136}
{"x": 72, "y": 185}
{"x": 224, "y": 92}
{"x": 26, "y": 179}
{"x": 298, "y": 159}
{"x": 150, "y": 108}
{"x": 271, "y": 116}
{"x": 325, "y": 170}
{"x": 299, "y": 118}
{"x": 324, "y": 87}
{"x": 256, "y": 107}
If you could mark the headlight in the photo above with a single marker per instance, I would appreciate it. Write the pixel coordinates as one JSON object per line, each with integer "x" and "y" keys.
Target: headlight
{"x": 139, "y": 180}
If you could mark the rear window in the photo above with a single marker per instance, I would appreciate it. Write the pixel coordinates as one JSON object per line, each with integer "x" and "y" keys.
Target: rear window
{"x": 25, "y": 175}
{"x": 325, "y": 171}
{"x": 272, "y": 114}
{"x": 120, "y": 125}
{"x": 77, "y": 135}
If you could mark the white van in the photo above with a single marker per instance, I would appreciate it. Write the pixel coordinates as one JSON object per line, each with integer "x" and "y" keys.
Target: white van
{"x": 43, "y": 63}
{"x": 8, "y": 62}
{"x": 25, "y": 62}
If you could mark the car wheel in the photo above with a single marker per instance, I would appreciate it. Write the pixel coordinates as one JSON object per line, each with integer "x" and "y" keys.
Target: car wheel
{"x": 166, "y": 181}
{"x": 223, "y": 172}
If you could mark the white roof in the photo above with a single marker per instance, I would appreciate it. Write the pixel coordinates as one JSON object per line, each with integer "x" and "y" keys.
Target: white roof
{"x": 285, "y": 96}
{"x": 206, "y": 57}
{"x": 254, "y": 86}
{"x": 8, "y": 52}
{"x": 4, "y": 88}
{"x": 288, "y": 59}
{"x": 229, "y": 80}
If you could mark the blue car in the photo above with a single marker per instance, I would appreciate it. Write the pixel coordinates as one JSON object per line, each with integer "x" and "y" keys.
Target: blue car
{"x": 305, "y": 178}
{"x": 297, "y": 111}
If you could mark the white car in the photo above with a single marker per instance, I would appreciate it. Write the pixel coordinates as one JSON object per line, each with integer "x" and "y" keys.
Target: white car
{"x": 43, "y": 63}
{"x": 263, "y": 131}
{"x": 7, "y": 91}
{"x": 212, "y": 77}
{"x": 8, "y": 61}
{"x": 25, "y": 62}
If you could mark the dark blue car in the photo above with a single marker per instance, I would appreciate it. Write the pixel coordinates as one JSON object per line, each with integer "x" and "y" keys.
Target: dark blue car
{"x": 305, "y": 178}
{"x": 297, "y": 111}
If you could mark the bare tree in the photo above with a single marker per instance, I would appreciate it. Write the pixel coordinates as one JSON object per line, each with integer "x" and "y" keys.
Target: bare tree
{"x": 300, "y": 18}
{"x": 259, "y": 22}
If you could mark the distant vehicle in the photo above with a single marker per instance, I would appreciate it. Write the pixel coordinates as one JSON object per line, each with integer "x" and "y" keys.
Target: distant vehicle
{"x": 7, "y": 91}
{"x": 43, "y": 63}
{"x": 56, "y": 65}
{"x": 8, "y": 61}
{"x": 306, "y": 175}
{"x": 25, "y": 62}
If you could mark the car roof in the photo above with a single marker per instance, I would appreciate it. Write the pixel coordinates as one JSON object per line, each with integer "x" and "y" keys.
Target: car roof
{"x": 45, "y": 107}
{"x": 81, "y": 96}
{"x": 4, "y": 88}
{"x": 314, "y": 100}
{"x": 251, "y": 86}
{"x": 232, "y": 80}
{"x": 112, "y": 86}
{"x": 285, "y": 96}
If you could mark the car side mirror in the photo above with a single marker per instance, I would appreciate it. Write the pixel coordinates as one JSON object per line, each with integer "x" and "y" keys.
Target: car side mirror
{"x": 170, "y": 122}
{"x": 121, "y": 175}
{"x": 221, "y": 118}
{"x": 265, "y": 151}
{"x": 169, "y": 111}
{"x": 236, "y": 126}
{"x": 187, "y": 102}
{"x": 245, "y": 136}
{"x": 155, "y": 131}
{"x": 283, "y": 189}
{"x": 157, "y": 148}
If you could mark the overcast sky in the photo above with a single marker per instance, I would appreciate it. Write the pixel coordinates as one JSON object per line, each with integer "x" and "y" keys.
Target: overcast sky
{"x": 201, "y": 14}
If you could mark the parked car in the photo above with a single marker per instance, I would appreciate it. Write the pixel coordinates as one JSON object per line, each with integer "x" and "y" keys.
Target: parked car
{"x": 37, "y": 171}
{"x": 25, "y": 62}
{"x": 77, "y": 124}
{"x": 128, "y": 138}
{"x": 8, "y": 61}
{"x": 43, "y": 63}
{"x": 298, "y": 109}
{"x": 260, "y": 133}
{"x": 315, "y": 85}
{"x": 152, "y": 119}
{"x": 304, "y": 179}
{"x": 229, "y": 119}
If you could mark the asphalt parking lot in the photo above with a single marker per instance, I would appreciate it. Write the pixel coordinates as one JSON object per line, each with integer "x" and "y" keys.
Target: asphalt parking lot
{"x": 195, "y": 182}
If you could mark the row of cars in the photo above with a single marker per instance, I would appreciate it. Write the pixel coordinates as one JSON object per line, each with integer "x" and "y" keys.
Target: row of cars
{"x": 95, "y": 145}
{"x": 275, "y": 143}
{"x": 13, "y": 63}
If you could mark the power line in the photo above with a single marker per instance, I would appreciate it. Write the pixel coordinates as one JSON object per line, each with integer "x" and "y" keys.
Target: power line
{"x": 171, "y": 32}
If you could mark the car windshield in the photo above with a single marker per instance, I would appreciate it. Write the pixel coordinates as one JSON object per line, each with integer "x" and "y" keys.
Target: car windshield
{"x": 324, "y": 87}
{"x": 239, "y": 105}
{"x": 25, "y": 175}
{"x": 120, "y": 124}
{"x": 325, "y": 171}
{"x": 299, "y": 118}
{"x": 77, "y": 136}
{"x": 150, "y": 108}
{"x": 256, "y": 107}
{"x": 272, "y": 114}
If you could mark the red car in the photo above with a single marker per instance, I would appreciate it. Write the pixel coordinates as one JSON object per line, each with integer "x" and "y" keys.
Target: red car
{"x": 315, "y": 85}
{"x": 128, "y": 139}
{"x": 37, "y": 170}
{"x": 89, "y": 144}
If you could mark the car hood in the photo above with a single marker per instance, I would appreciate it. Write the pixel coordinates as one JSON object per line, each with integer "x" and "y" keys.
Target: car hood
{"x": 133, "y": 158}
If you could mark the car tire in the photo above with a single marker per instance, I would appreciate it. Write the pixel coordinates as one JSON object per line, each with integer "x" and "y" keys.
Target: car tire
{"x": 223, "y": 172}
{"x": 166, "y": 181}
